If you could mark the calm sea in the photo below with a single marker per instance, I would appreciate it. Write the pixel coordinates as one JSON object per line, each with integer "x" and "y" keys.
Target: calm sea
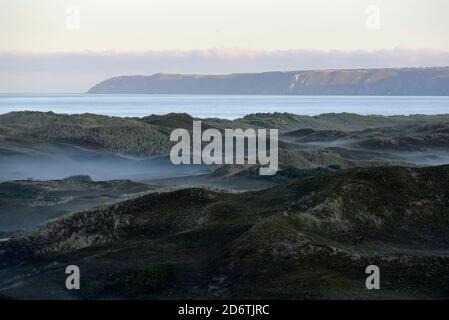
{"x": 220, "y": 106}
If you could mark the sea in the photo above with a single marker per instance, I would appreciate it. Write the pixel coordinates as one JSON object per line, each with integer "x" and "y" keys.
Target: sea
{"x": 220, "y": 106}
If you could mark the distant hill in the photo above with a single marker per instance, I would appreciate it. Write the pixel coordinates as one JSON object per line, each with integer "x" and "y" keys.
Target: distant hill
{"x": 398, "y": 81}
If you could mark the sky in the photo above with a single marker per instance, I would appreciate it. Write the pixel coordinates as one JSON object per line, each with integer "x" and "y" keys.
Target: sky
{"x": 69, "y": 45}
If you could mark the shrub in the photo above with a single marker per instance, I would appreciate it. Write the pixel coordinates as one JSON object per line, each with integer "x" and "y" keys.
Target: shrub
{"x": 144, "y": 281}
{"x": 94, "y": 289}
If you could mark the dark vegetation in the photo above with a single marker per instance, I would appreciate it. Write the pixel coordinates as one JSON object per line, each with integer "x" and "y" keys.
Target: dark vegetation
{"x": 149, "y": 136}
{"x": 309, "y": 239}
{"x": 133, "y": 283}
{"x": 26, "y": 204}
{"x": 351, "y": 191}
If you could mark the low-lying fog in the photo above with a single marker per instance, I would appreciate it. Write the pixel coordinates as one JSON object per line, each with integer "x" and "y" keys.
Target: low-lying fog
{"x": 57, "y": 163}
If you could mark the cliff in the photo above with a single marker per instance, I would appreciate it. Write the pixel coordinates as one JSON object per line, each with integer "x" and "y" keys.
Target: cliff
{"x": 402, "y": 81}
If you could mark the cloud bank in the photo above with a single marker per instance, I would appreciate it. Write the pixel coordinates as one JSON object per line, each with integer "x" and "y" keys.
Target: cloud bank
{"x": 78, "y": 71}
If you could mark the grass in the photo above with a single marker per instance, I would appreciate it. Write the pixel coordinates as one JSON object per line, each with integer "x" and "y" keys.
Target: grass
{"x": 133, "y": 283}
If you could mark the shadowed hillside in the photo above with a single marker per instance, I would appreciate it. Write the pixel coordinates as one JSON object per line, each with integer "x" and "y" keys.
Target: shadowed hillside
{"x": 48, "y": 146}
{"x": 26, "y": 204}
{"x": 309, "y": 239}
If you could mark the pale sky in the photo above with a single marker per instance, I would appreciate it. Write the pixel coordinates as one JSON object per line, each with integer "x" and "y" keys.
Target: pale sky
{"x": 40, "y": 25}
{"x": 45, "y": 47}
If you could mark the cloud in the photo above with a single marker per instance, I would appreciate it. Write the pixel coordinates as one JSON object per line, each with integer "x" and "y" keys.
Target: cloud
{"x": 78, "y": 71}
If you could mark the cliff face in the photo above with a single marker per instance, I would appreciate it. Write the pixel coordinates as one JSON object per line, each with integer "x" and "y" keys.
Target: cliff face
{"x": 403, "y": 81}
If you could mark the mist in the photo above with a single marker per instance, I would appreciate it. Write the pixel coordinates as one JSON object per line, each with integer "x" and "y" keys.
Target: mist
{"x": 61, "y": 162}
